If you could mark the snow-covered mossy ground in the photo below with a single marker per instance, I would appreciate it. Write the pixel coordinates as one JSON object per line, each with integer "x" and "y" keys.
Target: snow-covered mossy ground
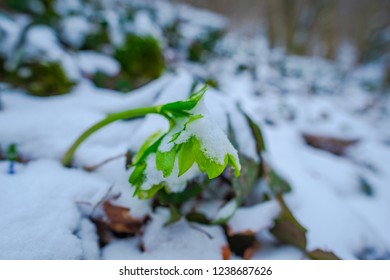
{"x": 312, "y": 137}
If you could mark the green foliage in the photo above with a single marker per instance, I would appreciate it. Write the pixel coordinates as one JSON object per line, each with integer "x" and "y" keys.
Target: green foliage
{"x": 187, "y": 153}
{"x": 12, "y": 153}
{"x": 141, "y": 59}
{"x": 39, "y": 78}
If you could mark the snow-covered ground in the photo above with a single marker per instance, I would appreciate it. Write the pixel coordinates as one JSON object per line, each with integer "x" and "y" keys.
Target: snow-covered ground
{"x": 47, "y": 210}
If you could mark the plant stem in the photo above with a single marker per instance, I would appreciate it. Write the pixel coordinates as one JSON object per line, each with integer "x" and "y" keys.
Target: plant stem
{"x": 129, "y": 114}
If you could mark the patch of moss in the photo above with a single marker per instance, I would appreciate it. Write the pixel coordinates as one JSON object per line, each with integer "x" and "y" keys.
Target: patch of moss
{"x": 141, "y": 58}
{"x": 38, "y": 79}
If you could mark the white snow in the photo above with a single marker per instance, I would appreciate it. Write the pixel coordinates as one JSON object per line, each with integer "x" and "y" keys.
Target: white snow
{"x": 181, "y": 240}
{"x": 40, "y": 215}
{"x": 74, "y": 29}
{"x": 254, "y": 218}
{"x": 91, "y": 62}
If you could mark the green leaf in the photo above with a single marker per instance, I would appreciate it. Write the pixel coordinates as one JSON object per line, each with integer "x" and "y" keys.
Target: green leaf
{"x": 277, "y": 184}
{"x": 146, "y": 194}
{"x": 250, "y": 174}
{"x": 232, "y": 162}
{"x": 186, "y": 157}
{"x": 175, "y": 215}
{"x": 190, "y": 120}
{"x": 165, "y": 161}
{"x": 179, "y": 108}
{"x": 256, "y": 131}
{"x": 145, "y": 150}
{"x": 199, "y": 218}
{"x": 287, "y": 229}
{"x": 211, "y": 166}
{"x": 205, "y": 164}
{"x": 12, "y": 153}
{"x": 137, "y": 176}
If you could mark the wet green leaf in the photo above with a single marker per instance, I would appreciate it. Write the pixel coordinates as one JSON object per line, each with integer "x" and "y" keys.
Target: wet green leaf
{"x": 186, "y": 158}
{"x": 165, "y": 161}
{"x": 137, "y": 176}
{"x": 146, "y": 194}
{"x": 258, "y": 135}
{"x": 277, "y": 184}
{"x": 181, "y": 108}
{"x": 143, "y": 151}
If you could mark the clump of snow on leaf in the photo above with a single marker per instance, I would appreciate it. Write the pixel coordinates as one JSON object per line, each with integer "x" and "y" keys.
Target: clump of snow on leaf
{"x": 175, "y": 182}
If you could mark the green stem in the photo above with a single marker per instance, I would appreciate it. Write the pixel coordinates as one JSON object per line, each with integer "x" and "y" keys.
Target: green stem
{"x": 129, "y": 114}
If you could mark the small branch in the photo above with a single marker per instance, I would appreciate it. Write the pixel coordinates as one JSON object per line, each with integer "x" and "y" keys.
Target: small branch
{"x": 96, "y": 166}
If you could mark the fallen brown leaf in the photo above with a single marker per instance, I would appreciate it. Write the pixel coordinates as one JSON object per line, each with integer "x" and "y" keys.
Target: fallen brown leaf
{"x": 332, "y": 145}
{"x": 118, "y": 222}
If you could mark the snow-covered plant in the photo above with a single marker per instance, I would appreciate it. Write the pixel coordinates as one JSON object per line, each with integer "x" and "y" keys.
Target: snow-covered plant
{"x": 194, "y": 142}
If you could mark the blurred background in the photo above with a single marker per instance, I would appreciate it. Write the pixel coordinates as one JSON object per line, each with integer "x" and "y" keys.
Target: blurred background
{"x": 312, "y": 27}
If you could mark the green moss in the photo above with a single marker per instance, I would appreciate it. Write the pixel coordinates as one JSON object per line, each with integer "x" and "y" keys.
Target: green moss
{"x": 38, "y": 79}
{"x": 141, "y": 57}
{"x": 141, "y": 60}
{"x": 48, "y": 79}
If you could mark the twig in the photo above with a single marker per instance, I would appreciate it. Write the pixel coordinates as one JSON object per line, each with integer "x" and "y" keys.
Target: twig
{"x": 96, "y": 166}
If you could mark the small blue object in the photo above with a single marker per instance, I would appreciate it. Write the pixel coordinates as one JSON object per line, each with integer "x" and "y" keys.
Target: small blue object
{"x": 11, "y": 169}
